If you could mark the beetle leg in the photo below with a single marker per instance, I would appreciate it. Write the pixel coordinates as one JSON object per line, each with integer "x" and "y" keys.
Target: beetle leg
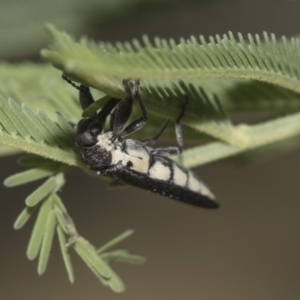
{"x": 85, "y": 97}
{"x": 152, "y": 141}
{"x": 140, "y": 122}
{"x": 121, "y": 114}
{"x": 178, "y": 130}
{"x": 169, "y": 151}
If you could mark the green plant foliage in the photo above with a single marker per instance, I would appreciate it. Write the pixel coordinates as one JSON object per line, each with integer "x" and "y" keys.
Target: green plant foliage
{"x": 259, "y": 135}
{"x": 35, "y": 132}
{"x": 267, "y": 59}
{"x": 50, "y": 186}
{"x": 219, "y": 76}
{"x": 39, "y": 86}
{"x": 31, "y": 175}
{"x": 164, "y": 64}
{"x": 39, "y": 230}
{"x": 65, "y": 253}
{"x": 53, "y": 217}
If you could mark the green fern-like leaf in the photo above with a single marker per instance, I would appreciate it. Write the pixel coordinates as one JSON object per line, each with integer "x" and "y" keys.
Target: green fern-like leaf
{"x": 39, "y": 86}
{"x": 53, "y": 217}
{"x": 203, "y": 113}
{"x": 161, "y": 65}
{"x": 264, "y": 59}
{"x": 218, "y": 76}
{"x": 34, "y": 132}
{"x": 65, "y": 253}
{"x": 39, "y": 229}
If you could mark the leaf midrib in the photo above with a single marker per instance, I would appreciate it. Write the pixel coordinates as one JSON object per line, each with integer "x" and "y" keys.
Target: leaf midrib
{"x": 69, "y": 157}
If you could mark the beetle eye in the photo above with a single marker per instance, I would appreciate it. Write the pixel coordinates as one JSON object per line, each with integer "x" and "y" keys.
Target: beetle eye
{"x": 95, "y": 129}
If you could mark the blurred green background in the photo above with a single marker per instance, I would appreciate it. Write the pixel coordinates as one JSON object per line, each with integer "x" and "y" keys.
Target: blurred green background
{"x": 248, "y": 249}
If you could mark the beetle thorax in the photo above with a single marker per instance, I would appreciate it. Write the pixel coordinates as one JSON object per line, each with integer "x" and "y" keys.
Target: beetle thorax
{"x": 99, "y": 156}
{"x": 105, "y": 141}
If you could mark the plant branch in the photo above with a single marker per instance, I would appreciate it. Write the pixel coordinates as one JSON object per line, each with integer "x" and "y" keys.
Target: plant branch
{"x": 258, "y": 135}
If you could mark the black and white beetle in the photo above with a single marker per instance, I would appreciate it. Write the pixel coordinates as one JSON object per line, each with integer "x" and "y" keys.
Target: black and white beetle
{"x": 111, "y": 154}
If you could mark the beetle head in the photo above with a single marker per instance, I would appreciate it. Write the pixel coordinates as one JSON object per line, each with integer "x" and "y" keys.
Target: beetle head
{"x": 93, "y": 144}
{"x": 88, "y": 131}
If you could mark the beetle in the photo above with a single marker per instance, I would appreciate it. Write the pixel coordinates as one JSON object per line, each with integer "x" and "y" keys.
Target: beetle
{"x": 111, "y": 153}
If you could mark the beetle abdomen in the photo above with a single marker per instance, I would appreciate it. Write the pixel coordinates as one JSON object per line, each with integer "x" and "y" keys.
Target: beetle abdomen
{"x": 168, "y": 179}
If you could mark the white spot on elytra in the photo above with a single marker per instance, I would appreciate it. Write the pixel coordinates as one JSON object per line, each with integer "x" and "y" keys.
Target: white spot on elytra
{"x": 117, "y": 155}
{"x": 198, "y": 186}
{"x": 160, "y": 172}
{"x": 137, "y": 154}
{"x": 194, "y": 184}
{"x": 179, "y": 177}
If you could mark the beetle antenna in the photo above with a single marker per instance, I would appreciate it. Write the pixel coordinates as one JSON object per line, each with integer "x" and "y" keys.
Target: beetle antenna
{"x": 85, "y": 96}
{"x": 68, "y": 80}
